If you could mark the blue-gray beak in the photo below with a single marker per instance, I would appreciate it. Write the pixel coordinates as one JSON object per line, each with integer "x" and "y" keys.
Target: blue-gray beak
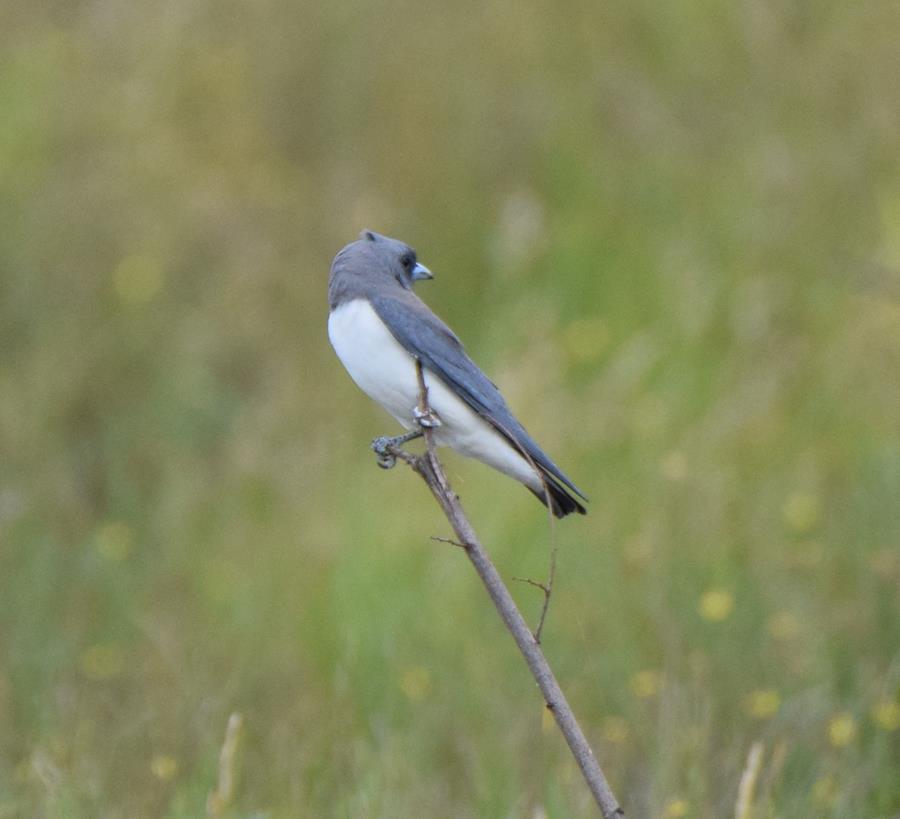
{"x": 421, "y": 272}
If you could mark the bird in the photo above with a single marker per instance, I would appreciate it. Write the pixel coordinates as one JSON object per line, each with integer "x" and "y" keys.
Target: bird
{"x": 380, "y": 329}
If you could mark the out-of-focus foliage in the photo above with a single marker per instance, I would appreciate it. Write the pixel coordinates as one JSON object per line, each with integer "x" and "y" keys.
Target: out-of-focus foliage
{"x": 670, "y": 231}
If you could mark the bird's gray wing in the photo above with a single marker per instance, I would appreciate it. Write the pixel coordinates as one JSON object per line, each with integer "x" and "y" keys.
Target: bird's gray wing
{"x": 427, "y": 338}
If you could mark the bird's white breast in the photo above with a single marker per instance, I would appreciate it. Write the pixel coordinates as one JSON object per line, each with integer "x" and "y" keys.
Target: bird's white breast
{"x": 375, "y": 360}
{"x": 386, "y": 372}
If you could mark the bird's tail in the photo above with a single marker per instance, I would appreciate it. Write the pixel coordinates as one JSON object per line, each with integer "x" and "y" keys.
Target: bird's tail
{"x": 562, "y": 502}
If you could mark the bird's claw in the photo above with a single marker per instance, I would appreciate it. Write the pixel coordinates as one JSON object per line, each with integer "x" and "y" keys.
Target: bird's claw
{"x": 386, "y": 449}
{"x": 383, "y": 455}
{"x": 428, "y": 419}
{"x": 386, "y": 461}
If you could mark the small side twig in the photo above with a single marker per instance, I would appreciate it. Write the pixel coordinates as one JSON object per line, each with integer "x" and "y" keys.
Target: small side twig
{"x": 429, "y": 468}
{"x": 449, "y": 540}
{"x": 546, "y": 591}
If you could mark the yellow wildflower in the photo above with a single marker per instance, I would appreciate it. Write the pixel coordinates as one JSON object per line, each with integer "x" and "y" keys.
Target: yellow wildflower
{"x": 716, "y": 605}
{"x": 646, "y": 684}
{"x": 887, "y": 715}
{"x": 675, "y": 808}
{"x": 164, "y": 767}
{"x": 762, "y": 703}
{"x": 842, "y": 729}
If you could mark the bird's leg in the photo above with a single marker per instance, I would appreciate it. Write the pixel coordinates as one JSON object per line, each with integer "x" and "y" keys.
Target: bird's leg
{"x": 384, "y": 444}
{"x": 426, "y": 418}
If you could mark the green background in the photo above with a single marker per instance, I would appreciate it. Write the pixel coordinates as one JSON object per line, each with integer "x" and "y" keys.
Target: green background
{"x": 669, "y": 231}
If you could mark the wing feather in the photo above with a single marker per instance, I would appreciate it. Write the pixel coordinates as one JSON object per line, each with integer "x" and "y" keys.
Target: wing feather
{"x": 431, "y": 341}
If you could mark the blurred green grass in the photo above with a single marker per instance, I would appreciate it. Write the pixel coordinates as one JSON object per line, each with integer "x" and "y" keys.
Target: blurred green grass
{"x": 670, "y": 233}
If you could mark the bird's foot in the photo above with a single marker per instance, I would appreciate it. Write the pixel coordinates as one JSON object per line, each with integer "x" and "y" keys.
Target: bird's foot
{"x": 384, "y": 447}
{"x": 383, "y": 455}
{"x": 427, "y": 419}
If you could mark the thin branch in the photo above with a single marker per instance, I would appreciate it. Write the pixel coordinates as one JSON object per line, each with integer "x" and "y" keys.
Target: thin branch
{"x": 428, "y": 420}
{"x": 546, "y": 588}
{"x": 429, "y": 468}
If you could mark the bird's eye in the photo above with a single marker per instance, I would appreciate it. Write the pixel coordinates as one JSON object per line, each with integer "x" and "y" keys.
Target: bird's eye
{"x": 406, "y": 260}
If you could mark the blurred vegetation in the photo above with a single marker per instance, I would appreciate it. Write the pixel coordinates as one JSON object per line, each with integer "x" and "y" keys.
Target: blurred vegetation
{"x": 671, "y": 232}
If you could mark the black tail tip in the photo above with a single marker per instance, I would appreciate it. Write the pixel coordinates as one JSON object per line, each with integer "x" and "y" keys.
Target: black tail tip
{"x": 561, "y": 502}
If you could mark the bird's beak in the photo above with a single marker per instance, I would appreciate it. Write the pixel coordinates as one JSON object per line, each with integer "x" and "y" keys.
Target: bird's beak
{"x": 421, "y": 272}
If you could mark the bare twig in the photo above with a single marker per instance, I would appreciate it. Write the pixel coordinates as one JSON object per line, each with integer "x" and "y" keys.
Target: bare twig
{"x": 449, "y": 540}
{"x": 429, "y": 468}
{"x": 536, "y": 583}
{"x": 546, "y": 588}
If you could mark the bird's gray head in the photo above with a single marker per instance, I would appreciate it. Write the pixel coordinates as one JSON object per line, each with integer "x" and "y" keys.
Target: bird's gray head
{"x": 373, "y": 262}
